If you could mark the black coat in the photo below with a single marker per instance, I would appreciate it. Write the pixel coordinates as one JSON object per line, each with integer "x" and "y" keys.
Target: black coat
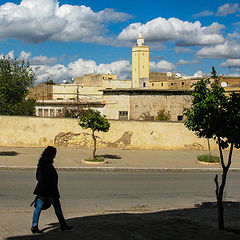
{"x": 47, "y": 178}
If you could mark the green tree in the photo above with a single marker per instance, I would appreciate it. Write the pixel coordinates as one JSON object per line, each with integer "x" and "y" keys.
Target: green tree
{"x": 16, "y": 77}
{"x": 28, "y": 107}
{"x": 96, "y": 122}
{"x": 215, "y": 115}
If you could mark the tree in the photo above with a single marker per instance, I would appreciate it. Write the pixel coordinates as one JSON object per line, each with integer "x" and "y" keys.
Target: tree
{"x": 16, "y": 77}
{"x": 216, "y": 115}
{"x": 96, "y": 122}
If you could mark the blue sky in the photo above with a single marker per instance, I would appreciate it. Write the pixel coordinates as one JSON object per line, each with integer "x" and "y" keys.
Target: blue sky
{"x": 64, "y": 39}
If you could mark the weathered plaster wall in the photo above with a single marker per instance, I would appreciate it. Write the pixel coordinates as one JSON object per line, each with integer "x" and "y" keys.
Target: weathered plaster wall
{"x": 40, "y": 132}
{"x": 149, "y": 105}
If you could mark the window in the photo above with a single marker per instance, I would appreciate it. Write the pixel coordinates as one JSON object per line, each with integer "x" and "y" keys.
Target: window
{"x": 161, "y": 84}
{"x": 144, "y": 84}
{"x": 172, "y": 84}
{"x": 180, "y": 117}
{"x": 182, "y": 83}
{"x": 152, "y": 84}
{"x": 123, "y": 115}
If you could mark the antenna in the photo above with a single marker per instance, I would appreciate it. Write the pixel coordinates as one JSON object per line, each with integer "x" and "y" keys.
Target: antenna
{"x": 223, "y": 84}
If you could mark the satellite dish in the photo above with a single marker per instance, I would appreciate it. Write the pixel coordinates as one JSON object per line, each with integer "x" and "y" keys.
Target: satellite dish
{"x": 178, "y": 75}
{"x": 169, "y": 74}
{"x": 223, "y": 84}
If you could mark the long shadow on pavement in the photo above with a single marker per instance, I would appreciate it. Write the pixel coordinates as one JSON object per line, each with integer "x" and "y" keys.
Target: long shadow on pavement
{"x": 194, "y": 223}
{"x": 8, "y": 153}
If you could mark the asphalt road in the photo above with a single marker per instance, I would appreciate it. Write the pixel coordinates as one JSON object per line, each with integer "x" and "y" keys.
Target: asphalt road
{"x": 103, "y": 192}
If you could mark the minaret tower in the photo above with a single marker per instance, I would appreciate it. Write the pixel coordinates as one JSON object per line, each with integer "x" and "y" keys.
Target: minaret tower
{"x": 140, "y": 64}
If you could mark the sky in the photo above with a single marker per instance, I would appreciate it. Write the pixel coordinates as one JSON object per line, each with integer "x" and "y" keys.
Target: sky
{"x": 63, "y": 39}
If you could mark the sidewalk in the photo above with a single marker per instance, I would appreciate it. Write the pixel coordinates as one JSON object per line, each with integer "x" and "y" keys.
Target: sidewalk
{"x": 117, "y": 159}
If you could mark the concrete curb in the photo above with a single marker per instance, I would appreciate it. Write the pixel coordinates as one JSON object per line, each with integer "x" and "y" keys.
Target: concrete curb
{"x": 126, "y": 169}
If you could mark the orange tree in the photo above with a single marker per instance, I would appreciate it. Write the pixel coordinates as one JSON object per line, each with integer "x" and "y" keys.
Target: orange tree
{"x": 93, "y": 120}
{"x": 214, "y": 114}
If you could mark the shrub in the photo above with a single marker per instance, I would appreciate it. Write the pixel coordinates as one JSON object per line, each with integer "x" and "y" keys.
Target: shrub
{"x": 163, "y": 115}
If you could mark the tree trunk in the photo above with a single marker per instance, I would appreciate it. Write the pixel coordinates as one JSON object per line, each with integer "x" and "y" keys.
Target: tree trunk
{"x": 209, "y": 149}
{"x": 94, "y": 144}
{"x": 220, "y": 190}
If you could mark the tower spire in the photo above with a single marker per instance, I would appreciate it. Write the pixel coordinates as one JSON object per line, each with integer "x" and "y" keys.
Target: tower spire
{"x": 140, "y": 39}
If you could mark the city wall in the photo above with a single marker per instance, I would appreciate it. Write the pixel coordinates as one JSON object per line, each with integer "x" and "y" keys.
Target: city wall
{"x": 40, "y": 132}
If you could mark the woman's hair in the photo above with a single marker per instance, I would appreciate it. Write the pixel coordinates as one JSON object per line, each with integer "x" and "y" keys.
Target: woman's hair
{"x": 48, "y": 155}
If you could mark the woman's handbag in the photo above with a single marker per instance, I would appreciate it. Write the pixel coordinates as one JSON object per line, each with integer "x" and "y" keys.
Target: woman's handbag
{"x": 46, "y": 203}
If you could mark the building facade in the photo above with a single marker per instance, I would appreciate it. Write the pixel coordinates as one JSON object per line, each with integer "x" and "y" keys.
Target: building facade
{"x": 144, "y": 104}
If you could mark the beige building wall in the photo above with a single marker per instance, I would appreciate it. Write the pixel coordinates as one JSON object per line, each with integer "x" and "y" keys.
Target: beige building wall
{"x": 117, "y": 84}
{"x": 93, "y": 80}
{"x": 145, "y": 104}
{"x": 114, "y": 104}
{"x": 41, "y": 132}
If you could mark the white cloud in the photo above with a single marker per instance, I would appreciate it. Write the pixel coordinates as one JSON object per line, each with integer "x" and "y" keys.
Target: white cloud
{"x": 25, "y": 55}
{"x": 40, "y": 20}
{"x": 57, "y": 72}
{"x": 203, "y": 14}
{"x": 161, "y": 66}
{"x": 226, "y": 50}
{"x": 235, "y": 63}
{"x": 198, "y": 73}
{"x": 227, "y": 9}
{"x": 173, "y": 29}
{"x": 80, "y": 67}
{"x": 43, "y": 60}
{"x": 187, "y": 62}
{"x": 182, "y": 49}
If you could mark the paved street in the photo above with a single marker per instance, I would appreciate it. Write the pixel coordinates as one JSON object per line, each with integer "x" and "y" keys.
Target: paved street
{"x": 91, "y": 192}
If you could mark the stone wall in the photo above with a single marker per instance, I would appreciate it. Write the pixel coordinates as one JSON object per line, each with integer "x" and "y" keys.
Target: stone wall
{"x": 63, "y": 132}
{"x": 147, "y": 106}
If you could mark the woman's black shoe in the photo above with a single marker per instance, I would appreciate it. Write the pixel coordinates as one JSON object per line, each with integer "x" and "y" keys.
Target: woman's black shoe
{"x": 65, "y": 227}
{"x": 36, "y": 230}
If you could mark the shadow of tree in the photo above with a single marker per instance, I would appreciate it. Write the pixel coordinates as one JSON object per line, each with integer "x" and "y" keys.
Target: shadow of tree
{"x": 110, "y": 156}
{"x": 8, "y": 153}
{"x": 193, "y": 223}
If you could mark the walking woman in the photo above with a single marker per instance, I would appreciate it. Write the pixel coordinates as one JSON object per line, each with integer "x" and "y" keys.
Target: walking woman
{"x": 47, "y": 189}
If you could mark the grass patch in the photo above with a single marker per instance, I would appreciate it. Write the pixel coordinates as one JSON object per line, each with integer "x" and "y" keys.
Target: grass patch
{"x": 97, "y": 159}
{"x": 208, "y": 158}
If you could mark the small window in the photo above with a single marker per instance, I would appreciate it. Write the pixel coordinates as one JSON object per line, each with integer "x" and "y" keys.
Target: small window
{"x": 182, "y": 83}
{"x": 180, "y": 117}
{"x": 172, "y": 84}
{"x": 144, "y": 84}
{"x": 152, "y": 84}
{"x": 161, "y": 84}
{"x": 123, "y": 115}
